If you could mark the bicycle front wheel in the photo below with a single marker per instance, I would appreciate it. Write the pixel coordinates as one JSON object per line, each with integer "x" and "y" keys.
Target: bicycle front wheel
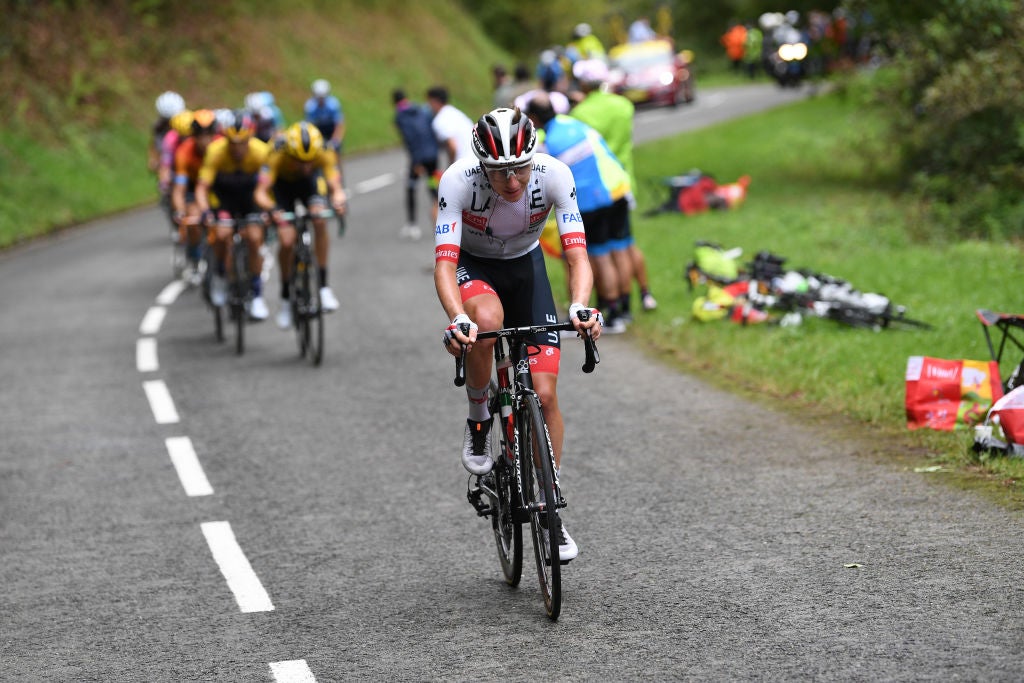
{"x": 300, "y": 303}
{"x": 315, "y": 317}
{"x": 539, "y": 493}
{"x": 508, "y": 531}
{"x": 240, "y": 290}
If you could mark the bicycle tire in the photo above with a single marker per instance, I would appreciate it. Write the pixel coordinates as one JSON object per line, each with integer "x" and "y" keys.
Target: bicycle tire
{"x": 315, "y": 317}
{"x": 300, "y": 301}
{"x": 538, "y": 483}
{"x": 218, "y": 323}
{"x": 240, "y": 287}
{"x": 508, "y": 531}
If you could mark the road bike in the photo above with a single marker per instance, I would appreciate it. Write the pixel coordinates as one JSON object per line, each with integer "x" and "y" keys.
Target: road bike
{"x": 307, "y": 314}
{"x": 522, "y": 487}
{"x": 240, "y": 293}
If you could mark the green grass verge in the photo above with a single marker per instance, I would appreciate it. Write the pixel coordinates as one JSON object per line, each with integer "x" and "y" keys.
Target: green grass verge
{"x": 815, "y": 201}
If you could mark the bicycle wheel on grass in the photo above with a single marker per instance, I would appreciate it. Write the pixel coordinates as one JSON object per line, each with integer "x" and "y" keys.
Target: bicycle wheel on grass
{"x": 508, "y": 532}
{"x": 539, "y": 490}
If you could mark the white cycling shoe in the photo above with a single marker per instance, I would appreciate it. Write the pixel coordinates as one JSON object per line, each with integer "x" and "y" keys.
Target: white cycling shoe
{"x": 284, "y": 315}
{"x": 328, "y": 302}
{"x": 567, "y": 549}
{"x": 218, "y": 291}
{"x": 258, "y": 309}
{"x": 476, "y": 451}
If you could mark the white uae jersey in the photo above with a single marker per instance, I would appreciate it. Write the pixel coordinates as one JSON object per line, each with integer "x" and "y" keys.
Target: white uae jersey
{"x": 472, "y": 216}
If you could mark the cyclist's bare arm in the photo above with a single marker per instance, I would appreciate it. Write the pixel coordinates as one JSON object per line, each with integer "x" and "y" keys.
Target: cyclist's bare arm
{"x": 451, "y": 300}
{"x": 202, "y": 196}
{"x": 581, "y": 282}
{"x": 178, "y": 197}
{"x": 262, "y": 194}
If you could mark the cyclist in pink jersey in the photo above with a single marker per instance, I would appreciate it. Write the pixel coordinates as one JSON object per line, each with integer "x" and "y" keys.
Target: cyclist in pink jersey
{"x": 489, "y": 267}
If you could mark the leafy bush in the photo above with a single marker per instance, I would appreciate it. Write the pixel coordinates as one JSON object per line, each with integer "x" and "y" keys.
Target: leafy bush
{"x": 955, "y": 92}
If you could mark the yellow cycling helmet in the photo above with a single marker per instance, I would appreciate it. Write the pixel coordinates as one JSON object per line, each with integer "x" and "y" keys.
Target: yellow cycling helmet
{"x": 303, "y": 141}
{"x": 182, "y": 122}
{"x": 239, "y": 127}
{"x": 204, "y": 121}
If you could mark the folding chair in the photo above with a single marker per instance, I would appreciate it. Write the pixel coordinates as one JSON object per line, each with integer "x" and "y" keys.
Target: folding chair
{"x": 1008, "y": 326}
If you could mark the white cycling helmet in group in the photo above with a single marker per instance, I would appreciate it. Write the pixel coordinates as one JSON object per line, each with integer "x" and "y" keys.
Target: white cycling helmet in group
{"x": 504, "y": 138}
{"x": 169, "y": 103}
{"x": 321, "y": 88}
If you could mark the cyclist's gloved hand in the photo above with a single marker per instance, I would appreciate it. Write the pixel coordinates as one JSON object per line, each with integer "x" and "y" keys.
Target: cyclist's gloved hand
{"x": 454, "y": 337}
{"x": 594, "y": 323}
{"x": 208, "y": 217}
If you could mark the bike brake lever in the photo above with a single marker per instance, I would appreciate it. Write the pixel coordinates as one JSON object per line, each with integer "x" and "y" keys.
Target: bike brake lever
{"x": 460, "y": 360}
{"x": 591, "y": 356}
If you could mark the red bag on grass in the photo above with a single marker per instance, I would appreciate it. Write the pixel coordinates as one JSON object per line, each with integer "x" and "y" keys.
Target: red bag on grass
{"x": 949, "y": 394}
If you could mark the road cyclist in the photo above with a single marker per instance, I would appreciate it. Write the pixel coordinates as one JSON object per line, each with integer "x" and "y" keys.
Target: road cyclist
{"x": 229, "y": 173}
{"x": 189, "y": 153}
{"x": 489, "y": 270}
{"x": 292, "y": 173}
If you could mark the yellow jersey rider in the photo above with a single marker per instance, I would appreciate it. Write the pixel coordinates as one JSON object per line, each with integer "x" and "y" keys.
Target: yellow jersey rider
{"x": 230, "y": 168}
{"x": 292, "y": 173}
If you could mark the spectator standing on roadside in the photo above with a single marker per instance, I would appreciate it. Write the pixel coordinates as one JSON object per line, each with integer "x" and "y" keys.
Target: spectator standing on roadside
{"x": 602, "y": 186}
{"x": 611, "y": 115}
{"x": 753, "y": 49}
{"x": 452, "y": 128}
{"x": 584, "y": 44}
{"x": 640, "y": 31}
{"x": 413, "y": 122}
{"x": 521, "y": 82}
{"x": 734, "y": 41}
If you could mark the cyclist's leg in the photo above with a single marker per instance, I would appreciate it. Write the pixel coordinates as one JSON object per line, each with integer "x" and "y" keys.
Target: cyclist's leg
{"x": 253, "y": 236}
{"x": 484, "y": 308}
{"x": 286, "y": 235}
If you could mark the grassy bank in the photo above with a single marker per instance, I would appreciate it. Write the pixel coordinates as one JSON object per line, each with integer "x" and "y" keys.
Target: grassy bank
{"x": 823, "y": 207}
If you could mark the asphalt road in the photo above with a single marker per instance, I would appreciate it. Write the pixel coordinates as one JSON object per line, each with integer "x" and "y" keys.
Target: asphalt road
{"x": 258, "y": 519}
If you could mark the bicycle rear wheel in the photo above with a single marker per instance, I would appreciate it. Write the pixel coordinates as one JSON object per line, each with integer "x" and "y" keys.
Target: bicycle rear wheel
{"x": 539, "y": 492}
{"x": 239, "y": 293}
{"x": 508, "y": 531}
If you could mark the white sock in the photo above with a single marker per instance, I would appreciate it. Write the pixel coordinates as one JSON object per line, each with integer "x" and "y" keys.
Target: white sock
{"x": 478, "y": 409}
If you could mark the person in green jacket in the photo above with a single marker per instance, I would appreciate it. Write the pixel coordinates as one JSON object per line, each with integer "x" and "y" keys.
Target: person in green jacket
{"x": 612, "y": 116}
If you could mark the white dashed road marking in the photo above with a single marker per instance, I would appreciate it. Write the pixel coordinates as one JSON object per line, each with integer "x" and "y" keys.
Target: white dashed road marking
{"x": 145, "y": 355}
{"x": 171, "y": 292}
{"x": 237, "y": 571}
{"x": 152, "y": 321}
{"x": 294, "y": 671}
{"x": 190, "y": 472}
{"x": 160, "y": 401}
{"x": 377, "y": 183}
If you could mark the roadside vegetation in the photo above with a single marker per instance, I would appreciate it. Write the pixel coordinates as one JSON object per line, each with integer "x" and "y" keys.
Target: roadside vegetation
{"x": 820, "y": 196}
{"x": 862, "y": 183}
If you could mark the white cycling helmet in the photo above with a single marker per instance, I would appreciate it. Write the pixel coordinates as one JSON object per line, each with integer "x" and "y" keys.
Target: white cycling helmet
{"x": 321, "y": 88}
{"x": 504, "y": 137}
{"x": 582, "y": 30}
{"x": 169, "y": 103}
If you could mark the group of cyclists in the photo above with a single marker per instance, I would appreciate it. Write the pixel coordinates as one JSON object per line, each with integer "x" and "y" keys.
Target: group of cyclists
{"x": 222, "y": 176}
{"x": 225, "y": 170}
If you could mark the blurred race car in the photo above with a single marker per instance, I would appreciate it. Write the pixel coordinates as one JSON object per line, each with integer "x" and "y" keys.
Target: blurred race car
{"x": 651, "y": 73}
